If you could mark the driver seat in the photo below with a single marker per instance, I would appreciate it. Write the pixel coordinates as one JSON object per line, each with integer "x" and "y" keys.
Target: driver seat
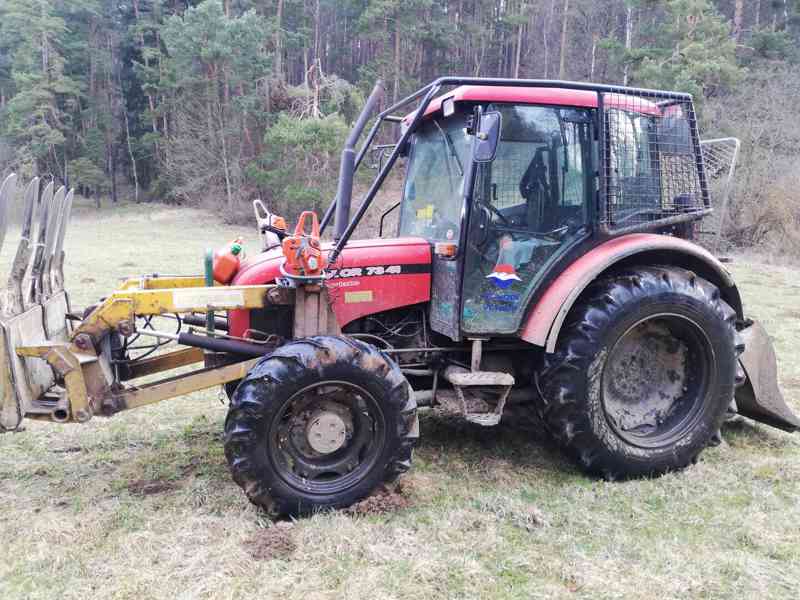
{"x": 534, "y": 188}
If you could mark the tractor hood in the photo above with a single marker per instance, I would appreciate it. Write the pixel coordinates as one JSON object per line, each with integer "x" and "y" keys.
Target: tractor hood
{"x": 369, "y": 276}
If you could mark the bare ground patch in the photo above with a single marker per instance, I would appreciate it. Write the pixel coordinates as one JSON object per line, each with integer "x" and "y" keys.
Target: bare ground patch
{"x": 382, "y": 501}
{"x": 275, "y": 542}
{"x": 145, "y": 487}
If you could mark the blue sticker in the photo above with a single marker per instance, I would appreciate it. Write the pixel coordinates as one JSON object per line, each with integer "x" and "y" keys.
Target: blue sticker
{"x": 501, "y": 301}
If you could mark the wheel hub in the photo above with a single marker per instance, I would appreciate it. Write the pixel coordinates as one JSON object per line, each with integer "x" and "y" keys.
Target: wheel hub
{"x": 326, "y": 432}
{"x": 647, "y": 376}
{"x": 655, "y": 380}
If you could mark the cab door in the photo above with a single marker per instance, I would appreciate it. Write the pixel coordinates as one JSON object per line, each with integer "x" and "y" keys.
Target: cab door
{"x": 529, "y": 205}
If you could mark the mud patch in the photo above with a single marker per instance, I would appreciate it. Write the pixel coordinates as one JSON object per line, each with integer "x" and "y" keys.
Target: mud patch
{"x": 67, "y": 450}
{"x": 381, "y": 502}
{"x": 128, "y": 264}
{"x": 150, "y": 487}
{"x": 275, "y": 542}
{"x": 88, "y": 280}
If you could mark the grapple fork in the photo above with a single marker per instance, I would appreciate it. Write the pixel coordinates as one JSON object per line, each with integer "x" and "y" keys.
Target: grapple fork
{"x": 34, "y": 304}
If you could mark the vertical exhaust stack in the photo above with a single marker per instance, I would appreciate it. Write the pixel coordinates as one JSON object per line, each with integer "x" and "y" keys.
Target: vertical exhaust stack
{"x": 344, "y": 192}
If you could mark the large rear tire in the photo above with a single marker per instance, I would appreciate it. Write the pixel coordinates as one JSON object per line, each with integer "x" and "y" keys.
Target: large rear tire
{"x": 643, "y": 373}
{"x": 318, "y": 424}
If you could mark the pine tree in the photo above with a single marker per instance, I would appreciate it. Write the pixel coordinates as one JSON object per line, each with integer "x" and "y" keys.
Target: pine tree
{"x": 38, "y": 117}
{"x": 690, "y": 49}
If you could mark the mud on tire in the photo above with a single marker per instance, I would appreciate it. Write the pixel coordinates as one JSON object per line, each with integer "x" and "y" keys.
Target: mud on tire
{"x": 643, "y": 373}
{"x": 272, "y": 441}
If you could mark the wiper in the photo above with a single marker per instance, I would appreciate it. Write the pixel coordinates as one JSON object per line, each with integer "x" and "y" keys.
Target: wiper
{"x": 452, "y": 147}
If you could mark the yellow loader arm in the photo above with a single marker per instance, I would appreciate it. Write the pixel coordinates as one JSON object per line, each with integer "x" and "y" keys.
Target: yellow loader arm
{"x": 52, "y": 371}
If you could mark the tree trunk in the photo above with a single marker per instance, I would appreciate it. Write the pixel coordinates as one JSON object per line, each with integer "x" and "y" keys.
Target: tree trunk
{"x": 786, "y": 23}
{"x": 628, "y": 42}
{"x": 130, "y": 154}
{"x": 225, "y": 160}
{"x": 738, "y": 14}
{"x": 279, "y": 42}
{"x": 593, "y": 61}
{"x": 397, "y": 58}
{"x": 546, "y": 37}
{"x": 562, "y": 63}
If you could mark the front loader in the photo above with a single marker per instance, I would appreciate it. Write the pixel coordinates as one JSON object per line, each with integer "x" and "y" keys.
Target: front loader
{"x": 545, "y": 260}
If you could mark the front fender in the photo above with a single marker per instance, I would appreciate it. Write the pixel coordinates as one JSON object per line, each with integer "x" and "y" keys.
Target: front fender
{"x": 546, "y": 318}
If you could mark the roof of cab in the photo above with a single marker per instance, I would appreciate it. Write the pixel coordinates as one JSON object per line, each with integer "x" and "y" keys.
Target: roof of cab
{"x": 541, "y": 95}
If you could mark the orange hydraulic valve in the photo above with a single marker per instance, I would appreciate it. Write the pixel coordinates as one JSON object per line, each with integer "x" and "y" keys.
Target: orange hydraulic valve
{"x": 302, "y": 250}
{"x": 226, "y": 261}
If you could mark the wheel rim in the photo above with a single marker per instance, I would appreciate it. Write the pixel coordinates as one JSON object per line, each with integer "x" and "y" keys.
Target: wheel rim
{"x": 656, "y": 380}
{"x": 326, "y": 437}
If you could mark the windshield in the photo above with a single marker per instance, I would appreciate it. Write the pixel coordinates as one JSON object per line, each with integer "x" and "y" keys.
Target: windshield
{"x": 434, "y": 188}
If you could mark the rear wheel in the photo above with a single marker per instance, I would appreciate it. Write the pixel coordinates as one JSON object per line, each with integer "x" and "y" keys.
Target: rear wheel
{"x": 319, "y": 423}
{"x": 643, "y": 373}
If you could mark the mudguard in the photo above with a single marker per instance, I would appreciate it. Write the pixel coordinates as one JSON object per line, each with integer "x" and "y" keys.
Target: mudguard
{"x": 760, "y": 397}
{"x": 544, "y": 321}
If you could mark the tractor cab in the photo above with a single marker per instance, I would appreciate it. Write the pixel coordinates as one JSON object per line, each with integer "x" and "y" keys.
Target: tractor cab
{"x": 506, "y": 181}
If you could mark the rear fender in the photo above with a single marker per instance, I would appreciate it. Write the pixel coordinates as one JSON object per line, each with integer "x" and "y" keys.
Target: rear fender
{"x": 546, "y": 318}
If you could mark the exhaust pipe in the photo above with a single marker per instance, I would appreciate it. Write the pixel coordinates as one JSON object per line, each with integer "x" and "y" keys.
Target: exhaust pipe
{"x": 344, "y": 192}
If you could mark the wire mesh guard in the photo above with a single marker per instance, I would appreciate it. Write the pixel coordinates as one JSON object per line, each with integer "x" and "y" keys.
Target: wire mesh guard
{"x": 654, "y": 171}
{"x": 719, "y": 158}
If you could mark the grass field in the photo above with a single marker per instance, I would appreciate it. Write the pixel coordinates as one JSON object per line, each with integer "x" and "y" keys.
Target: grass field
{"x": 141, "y": 506}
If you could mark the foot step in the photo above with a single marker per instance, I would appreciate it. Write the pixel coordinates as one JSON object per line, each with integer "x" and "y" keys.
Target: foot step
{"x": 464, "y": 378}
{"x": 477, "y": 381}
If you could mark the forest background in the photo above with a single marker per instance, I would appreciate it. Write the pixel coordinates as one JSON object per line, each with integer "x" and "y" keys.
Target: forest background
{"x": 221, "y": 101}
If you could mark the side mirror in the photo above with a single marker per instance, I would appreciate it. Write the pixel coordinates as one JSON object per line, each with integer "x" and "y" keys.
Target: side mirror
{"x": 487, "y": 137}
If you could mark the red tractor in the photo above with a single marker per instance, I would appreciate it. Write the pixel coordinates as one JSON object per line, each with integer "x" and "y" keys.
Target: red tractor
{"x": 543, "y": 259}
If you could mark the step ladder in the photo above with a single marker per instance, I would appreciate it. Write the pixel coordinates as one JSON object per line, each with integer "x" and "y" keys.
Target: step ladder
{"x": 468, "y": 384}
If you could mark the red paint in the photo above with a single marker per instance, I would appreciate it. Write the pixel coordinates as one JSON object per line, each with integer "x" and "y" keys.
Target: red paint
{"x": 388, "y": 291}
{"x": 541, "y": 95}
{"x": 567, "y": 286}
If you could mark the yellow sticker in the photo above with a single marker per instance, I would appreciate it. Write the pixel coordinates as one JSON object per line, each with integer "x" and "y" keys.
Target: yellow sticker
{"x": 354, "y": 297}
{"x": 426, "y": 212}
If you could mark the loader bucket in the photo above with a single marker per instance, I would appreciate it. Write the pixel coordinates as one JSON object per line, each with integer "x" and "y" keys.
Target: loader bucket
{"x": 34, "y": 305}
{"x": 760, "y": 397}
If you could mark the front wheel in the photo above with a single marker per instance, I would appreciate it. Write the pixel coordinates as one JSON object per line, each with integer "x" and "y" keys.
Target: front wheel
{"x": 319, "y": 423}
{"x": 643, "y": 373}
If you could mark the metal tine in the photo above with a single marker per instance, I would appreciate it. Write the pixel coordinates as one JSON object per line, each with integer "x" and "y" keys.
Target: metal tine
{"x": 14, "y": 300}
{"x": 7, "y": 192}
{"x": 33, "y": 289}
{"x": 57, "y": 264}
{"x": 53, "y": 225}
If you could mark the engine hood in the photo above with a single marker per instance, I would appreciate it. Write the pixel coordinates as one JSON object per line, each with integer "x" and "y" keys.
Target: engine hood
{"x": 370, "y": 276}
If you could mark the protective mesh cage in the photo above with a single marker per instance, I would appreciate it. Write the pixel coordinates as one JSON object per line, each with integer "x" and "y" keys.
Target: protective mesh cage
{"x": 654, "y": 172}
{"x": 719, "y": 158}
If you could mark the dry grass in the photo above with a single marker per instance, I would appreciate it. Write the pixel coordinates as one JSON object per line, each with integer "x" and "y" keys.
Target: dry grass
{"x": 141, "y": 506}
